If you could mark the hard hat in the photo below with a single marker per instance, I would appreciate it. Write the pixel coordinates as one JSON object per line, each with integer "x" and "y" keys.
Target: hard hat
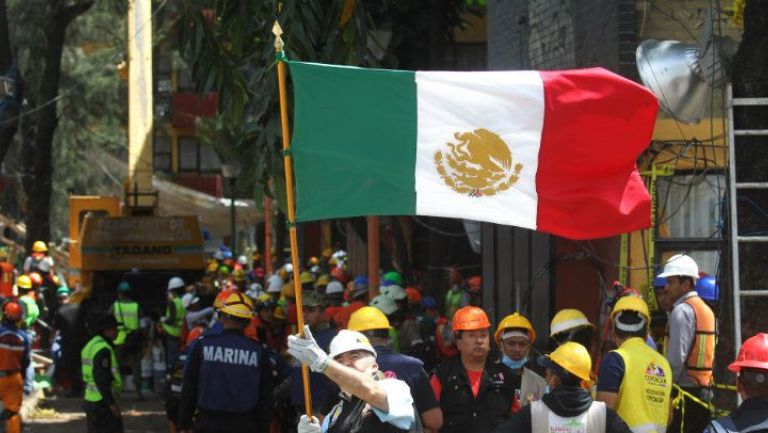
{"x": 265, "y": 301}
{"x": 571, "y": 357}
{"x": 12, "y": 311}
{"x": 238, "y": 275}
{"x": 212, "y": 268}
{"x": 707, "y": 288}
{"x": 124, "y": 286}
{"x": 223, "y": 270}
{"x": 35, "y": 278}
{"x": 567, "y": 320}
{"x": 348, "y": 341}
{"x": 384, "y": 303}
{"x": 680, "y": 265}
{"x": 753, "y": 354}
{"x": 306, "y": 278}
{"x": 514, "y": 320}
{"x": 288, "y": 268}
{"x": 274, "y": 284}
{"x": 395, "y": 292}
{"x": 469, "y": 318}
{"x": 238, "y": 305}
{"x": 413, "y": 294}
{"x": 630, "y": 303}
{"x": 24, "y": 282}
{"x": 221, "y": 297}
{"x": 258, "y": 272}
{"x": 659, "y": 282}
{"x": 189, "y": 299}
{"x": 367, "y": 319}
{"x": 313, "y": 299}
{"x": 475, "y": 284}
{"x": 45, "y": 265}
{"x": 218, "y": 255}
{"x": 360, "y": 286}
{"x": 62, "y": 291}
{"x": 428, "y": 302}
{"x": 323, "y": 280}
{"x": 313, "y": 261}
{"x": 327, "y": 253}
{"x": 39, "y": 247}
{"x": 243, "y": 260}
{"x": 334, "y": 287}
{"x": 175, "y": 283}
{"x": 287, "y": 290}
{"x": 392, "y": 277}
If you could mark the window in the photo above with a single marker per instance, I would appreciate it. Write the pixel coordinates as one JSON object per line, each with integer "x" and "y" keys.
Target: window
{"x": 161, "y": 153}
{"x": 197, "y": 157}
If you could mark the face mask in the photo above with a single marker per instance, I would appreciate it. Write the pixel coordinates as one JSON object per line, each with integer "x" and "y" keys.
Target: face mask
{"x": 509, "y": 362}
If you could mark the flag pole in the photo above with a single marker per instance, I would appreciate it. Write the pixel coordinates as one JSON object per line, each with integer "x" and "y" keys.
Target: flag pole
{"x": 288, "y": 164}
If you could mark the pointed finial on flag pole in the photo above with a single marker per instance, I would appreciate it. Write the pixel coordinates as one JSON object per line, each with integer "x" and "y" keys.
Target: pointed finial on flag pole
{"x": 278, "y": 31}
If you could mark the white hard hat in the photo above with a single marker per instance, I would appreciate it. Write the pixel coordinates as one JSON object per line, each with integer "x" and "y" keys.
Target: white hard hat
{"x": 242, "y": 260}
{"x": 384, "y": 303}
{"x": 347, "y": 341}
{"x": 254, "y": 291}
{"x": 175, "y": 283}
{"x": 218, "y": 255}
{"x": 274, "y": 284}
{"x": 189, "y": 299}
{"x": 394, "y": 291}
{"x": 45, "y": 264}
{"x": 680, "y": 265}
{"x": 288, "y": 267}
{"x": 334, "y": 287}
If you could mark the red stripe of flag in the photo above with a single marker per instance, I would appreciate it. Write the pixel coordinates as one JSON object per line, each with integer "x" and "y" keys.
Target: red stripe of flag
{"x": 596, "y": 124}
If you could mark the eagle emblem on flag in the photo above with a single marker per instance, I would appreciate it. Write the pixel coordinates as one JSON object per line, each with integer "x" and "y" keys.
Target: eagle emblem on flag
{"x": 480, "y": 164}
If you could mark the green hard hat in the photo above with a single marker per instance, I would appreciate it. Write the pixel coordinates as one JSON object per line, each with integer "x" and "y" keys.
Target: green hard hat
{"x": 63, "y": 290}
{"x": 124, "y": 286}
{"x": 393, "y": 277}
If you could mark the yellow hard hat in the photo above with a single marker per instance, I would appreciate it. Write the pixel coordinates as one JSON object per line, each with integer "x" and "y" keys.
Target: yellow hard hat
{"x": 287, "y": 290}
{"x": 238, "y": 305}
{"x": 573, "y": 358}
{"x": 631, "y": 303}
{"x": 567, "y": 320}
{"x": 238, "y": 275}
{"x": 323, "y": 280}
{"x": 313, "y": 261}
{"x": 306, "y": 277}
{"x": 39, "y": 247}
{"x": 24, "y": 282}
{"x": 366, "y": 319}
{"x": 279, "y": 313}
{"x": 212, "y": 268}
{"x": 515, "y": 320}
{"x": 327, "y": 253}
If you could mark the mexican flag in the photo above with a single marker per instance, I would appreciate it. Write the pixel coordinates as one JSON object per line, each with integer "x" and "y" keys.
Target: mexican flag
{"x": 549, "y": 151}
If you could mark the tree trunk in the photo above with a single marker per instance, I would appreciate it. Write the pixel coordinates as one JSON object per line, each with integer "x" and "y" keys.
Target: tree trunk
{"x": 38, "y": 186}
{"x": 8, "y": 124}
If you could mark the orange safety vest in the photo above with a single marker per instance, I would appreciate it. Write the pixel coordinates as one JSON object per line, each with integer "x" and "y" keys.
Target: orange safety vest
{"x": 6, "y": 279}
{"x": 702, "y": 354}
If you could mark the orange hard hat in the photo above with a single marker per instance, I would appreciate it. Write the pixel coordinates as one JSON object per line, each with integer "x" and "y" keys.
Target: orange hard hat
{"x": 475, "y": 284}
{"x": 37, "y": 280}
{"x": 12, "y": 311}
{"x": 414, "y": 296}
{"x": 470, "y": 318}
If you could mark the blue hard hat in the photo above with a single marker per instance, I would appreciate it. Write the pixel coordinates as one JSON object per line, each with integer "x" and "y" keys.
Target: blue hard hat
{"x": 428, "y": 302}
{"x": 124, "y": 286}
{"x": 659, "y": 282}
{"x": 361, "y": 280}
{"x": 707, "y": 288}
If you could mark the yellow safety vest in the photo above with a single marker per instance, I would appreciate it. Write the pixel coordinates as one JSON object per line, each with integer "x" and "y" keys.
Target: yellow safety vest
{"x": 127, "y": 316}
{"x": 90, "y": 350}
{"x": 174, "y": 329}
{"x": 646, "y": 389}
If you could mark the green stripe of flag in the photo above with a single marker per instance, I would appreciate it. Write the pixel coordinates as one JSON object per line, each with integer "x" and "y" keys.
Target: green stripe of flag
{"x": 354, "y": 141}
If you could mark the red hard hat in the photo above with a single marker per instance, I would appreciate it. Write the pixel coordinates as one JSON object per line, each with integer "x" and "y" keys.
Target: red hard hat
{"x": 414, "y": 296}
{"x": 753, "y": 354}
{"x": 475, "y": 284}
{"x": 36, "y": 278}
{"x": 12, "y": 311}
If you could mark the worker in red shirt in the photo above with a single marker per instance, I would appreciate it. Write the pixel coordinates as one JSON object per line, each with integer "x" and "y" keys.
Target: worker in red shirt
{"x": 7, "y": 275}
{"x": 475, "y": 393}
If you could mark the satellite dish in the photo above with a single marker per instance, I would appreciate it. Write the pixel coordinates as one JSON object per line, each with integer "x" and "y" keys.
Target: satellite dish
{"x": 683, "y": 75}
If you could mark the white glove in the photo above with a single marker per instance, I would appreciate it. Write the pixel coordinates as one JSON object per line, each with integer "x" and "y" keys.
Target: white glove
{"x": 307, "y": 351}
{"x": 305, "y": 426}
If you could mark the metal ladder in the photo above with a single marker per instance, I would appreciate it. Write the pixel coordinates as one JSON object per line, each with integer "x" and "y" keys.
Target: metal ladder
{"x": 734, "y": 188}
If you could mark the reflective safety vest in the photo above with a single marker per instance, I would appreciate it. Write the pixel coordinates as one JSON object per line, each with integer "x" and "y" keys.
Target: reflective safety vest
{"x": 702, "y": 354}
{"x": 591, "y": 420}
{"x": 646, "y": 389}
{"x": 96, "y": 345}
{"x": 174, "y": 328}
{"x": 31, "y": 311}
{"x": 127, "y": 316}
